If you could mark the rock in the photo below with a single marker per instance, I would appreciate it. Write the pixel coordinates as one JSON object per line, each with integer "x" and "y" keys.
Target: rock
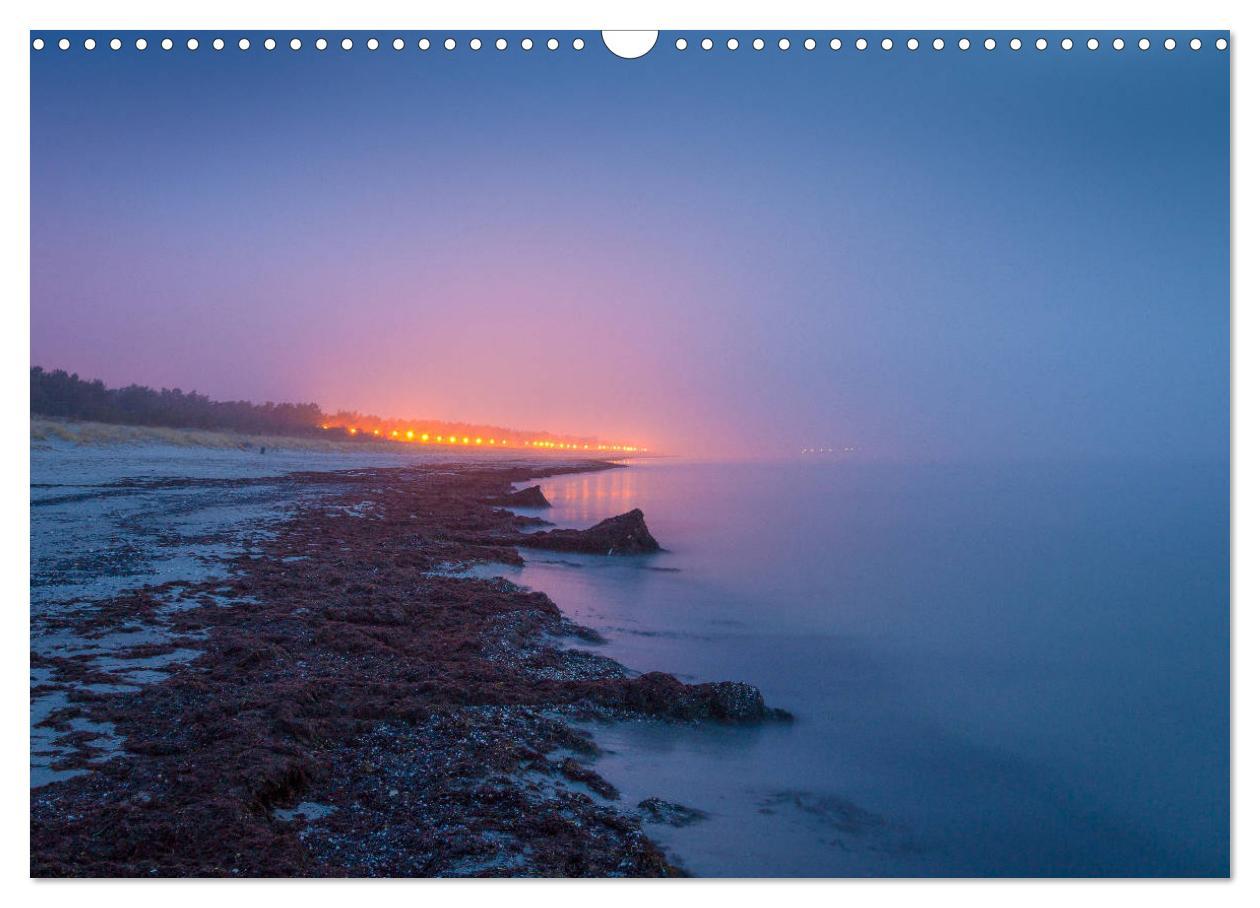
{"x": 625, "y": 534}
{"x": 531, "y": 497}
{"x": 659, "y": 810}
{"x": 659, "y": 694}
{"x": 732, "y": 701}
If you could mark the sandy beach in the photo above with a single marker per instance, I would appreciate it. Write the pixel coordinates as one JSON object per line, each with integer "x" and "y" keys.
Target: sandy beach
{"x": 317, "y": 687}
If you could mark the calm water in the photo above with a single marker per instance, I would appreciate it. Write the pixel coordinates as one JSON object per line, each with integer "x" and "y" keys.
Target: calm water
{"x": 998, "y": 670}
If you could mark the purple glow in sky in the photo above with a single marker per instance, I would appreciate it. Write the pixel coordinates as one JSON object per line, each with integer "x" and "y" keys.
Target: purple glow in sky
{"x": 930, "y": 257}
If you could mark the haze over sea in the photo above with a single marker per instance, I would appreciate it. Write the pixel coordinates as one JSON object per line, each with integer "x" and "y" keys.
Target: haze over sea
{"x": 998, "y": 669}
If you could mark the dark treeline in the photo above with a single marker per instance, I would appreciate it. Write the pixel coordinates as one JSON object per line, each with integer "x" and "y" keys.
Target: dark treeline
{"x": 59, "y": 393}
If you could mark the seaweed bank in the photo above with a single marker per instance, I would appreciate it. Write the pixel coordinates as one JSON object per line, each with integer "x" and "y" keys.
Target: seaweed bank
{"x": 350, "y": 705}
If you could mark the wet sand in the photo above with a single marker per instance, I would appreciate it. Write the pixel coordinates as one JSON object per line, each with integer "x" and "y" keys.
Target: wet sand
{"x": 338, "y": 699}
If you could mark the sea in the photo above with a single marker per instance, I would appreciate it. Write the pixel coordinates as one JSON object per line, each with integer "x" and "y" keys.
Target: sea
{"x": 994, "y": 669}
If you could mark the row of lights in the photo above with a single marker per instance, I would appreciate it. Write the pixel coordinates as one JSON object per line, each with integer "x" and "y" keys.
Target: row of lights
{"x": 425, "y": 438}
{"x": 579, "y": 44}
{"x": 939, "y": 44}
{"x": 320, "y": 44}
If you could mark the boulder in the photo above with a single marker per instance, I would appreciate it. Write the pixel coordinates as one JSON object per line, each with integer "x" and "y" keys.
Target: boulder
{"x": 625, "y": 534}
{"x": 660, "y": 694}
{"x": 531, "y": 497}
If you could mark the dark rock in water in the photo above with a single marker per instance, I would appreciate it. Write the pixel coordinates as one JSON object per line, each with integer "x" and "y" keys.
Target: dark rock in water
{"x": 659, "y": 810}
{"x": 733, "y": 701}
{"x": 532, "y": 497}
{"x": 625, "y": 534}
{"x": 659, "y": 694}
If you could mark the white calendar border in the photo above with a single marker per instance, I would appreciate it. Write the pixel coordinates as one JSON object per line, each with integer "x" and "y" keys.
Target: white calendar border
{"x": 647, "y": 14}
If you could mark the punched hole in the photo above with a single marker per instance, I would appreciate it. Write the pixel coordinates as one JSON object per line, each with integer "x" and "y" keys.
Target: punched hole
{"x": 631, "y": 45}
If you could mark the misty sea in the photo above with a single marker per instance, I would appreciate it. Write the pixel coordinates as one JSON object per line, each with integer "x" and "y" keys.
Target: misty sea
{"x": 994, "y": 669}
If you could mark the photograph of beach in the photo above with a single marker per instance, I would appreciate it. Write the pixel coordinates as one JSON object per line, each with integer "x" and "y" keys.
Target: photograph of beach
{"x": 487, "y": 453}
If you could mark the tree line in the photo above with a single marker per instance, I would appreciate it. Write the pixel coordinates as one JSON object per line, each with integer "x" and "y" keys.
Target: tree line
{"x": 63, "y": 394}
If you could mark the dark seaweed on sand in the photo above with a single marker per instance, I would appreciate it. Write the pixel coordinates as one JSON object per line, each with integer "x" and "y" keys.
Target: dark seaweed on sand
{"x": 358, "y": 711}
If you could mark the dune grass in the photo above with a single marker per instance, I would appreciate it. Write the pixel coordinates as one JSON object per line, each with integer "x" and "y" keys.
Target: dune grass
{"x": 94, "y": 433}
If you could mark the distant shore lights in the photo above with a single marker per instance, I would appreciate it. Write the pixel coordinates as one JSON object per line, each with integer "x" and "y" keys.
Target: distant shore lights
{"x": 415, "y": 436}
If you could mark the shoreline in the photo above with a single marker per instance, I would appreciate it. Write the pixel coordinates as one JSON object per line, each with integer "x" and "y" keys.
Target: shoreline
{"x": 46, "y": 431}
{"x": 357, "y": 708}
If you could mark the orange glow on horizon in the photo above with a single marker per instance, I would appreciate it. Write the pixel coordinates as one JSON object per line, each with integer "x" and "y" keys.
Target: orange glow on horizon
{"x": 390, "y": 430}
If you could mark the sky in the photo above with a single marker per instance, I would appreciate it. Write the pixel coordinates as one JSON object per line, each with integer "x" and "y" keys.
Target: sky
{"x": 927, "y": 256}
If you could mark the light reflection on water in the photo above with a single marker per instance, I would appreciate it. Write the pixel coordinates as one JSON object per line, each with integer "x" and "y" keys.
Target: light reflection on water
{"x": 1016, "y": 671}
{"x": 586, "y": 498}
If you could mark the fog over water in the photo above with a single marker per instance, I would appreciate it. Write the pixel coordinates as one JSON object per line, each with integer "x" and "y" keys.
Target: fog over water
{"x": 994, "y": 669}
